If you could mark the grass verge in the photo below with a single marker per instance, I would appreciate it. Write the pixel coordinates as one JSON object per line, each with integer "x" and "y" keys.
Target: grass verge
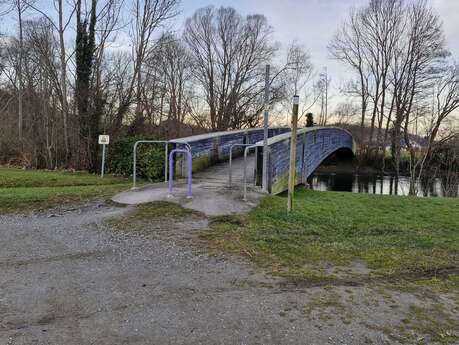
{"x": 25, "y": 189}
{"x": 331, "y": 234}
{"x": 160, "y": 219}
{"x": 15, "y": 178}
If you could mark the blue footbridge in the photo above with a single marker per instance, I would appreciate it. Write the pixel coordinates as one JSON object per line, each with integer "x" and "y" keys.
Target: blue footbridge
{"x": 222, "y": 172}
{"x": 314, "y": 145}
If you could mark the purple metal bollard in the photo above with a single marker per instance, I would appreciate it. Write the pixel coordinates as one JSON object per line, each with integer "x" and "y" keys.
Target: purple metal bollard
{"x": 190, "y": 170}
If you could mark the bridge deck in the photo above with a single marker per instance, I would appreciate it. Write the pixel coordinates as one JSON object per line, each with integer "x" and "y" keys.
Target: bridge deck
{"x": 219, "y": 173}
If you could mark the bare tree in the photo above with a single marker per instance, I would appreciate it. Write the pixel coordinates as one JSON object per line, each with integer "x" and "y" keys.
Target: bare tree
{"x": 19, "y": 7}
{"x": 345, "y": 112}
{"x": 228, "y": 53}
{"x": 61, "y": 27}
{"x": 296, "y": 77}
{"x": 418, "y": 60}
{"x": 397, "y": 49}
{"x": 149, "y": 15}
{"x": 348, "y": 46}
{"x": 42, "y": 64}
{"x": 172, "y": 61}
{"x": 367, "y": 43}
{"x": 446, "y": 103}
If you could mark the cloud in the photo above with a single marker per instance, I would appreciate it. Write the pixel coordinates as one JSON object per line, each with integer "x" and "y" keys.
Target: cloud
{"x": 449, "y": 11}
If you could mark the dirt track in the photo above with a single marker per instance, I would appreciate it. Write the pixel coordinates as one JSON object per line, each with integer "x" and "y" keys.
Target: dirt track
{"x": 67, "y": 278}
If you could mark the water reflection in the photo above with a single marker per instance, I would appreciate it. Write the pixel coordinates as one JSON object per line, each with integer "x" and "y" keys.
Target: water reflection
{"x": 373, "y": 184}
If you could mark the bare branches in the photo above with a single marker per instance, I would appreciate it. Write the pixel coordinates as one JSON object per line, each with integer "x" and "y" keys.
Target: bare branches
{"x": 397, "y": 50}
{"x": 228, "y": 53}
{"x": 125, "y": 71}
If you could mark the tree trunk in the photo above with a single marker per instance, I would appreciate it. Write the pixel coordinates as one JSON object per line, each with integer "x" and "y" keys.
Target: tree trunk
{"x": 63, "y": 82}
{"x": 19, "y": 71}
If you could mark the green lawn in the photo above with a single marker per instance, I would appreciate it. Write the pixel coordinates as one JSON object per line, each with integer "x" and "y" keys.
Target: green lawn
{"x": 390, "y": 235}
{"x": 27, "y": 189}
{"x": 11, "y": 177}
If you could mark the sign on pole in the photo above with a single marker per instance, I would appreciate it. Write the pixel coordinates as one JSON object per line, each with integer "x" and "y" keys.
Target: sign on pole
{"x": 103, "y": 140}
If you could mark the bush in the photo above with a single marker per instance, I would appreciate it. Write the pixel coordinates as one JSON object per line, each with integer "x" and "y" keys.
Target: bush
{"x": 150, "y": 158}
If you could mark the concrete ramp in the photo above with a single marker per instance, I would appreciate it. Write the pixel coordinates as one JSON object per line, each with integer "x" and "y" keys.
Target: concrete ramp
{"x": 211, "y": 193}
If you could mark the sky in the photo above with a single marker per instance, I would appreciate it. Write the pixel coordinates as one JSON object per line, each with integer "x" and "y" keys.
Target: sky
{"x": 312, "y": 23}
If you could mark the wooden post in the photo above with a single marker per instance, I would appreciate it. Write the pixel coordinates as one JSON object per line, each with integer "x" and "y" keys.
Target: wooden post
{"x": 292, "y": 167}
{"x": 264, "y": 183}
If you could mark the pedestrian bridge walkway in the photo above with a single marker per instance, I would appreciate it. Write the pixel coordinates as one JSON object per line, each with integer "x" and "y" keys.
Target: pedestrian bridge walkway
{"x": 211, "y": 193}
{"x": 210, "y": 153}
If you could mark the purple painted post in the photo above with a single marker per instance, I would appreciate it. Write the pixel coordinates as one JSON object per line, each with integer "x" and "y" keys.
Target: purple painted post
{"x": 190, "y": 170}
{"x": 171, "y": 171}
{"x": 190, "y": 173}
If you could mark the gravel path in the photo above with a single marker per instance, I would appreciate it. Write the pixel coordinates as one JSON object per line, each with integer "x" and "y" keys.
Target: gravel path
{"x": 67, "y": 278}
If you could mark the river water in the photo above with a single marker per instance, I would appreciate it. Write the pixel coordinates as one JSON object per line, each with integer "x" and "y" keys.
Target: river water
{"x": 373, "y": 184}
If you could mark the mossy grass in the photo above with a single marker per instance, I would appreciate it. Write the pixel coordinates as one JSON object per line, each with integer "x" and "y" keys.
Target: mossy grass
{"x": 162, "y": 209}
{"x": 31, "y": 189}
{"x": 392, "y": 235}
{"x": 153, "y": 218}
{"x": 15, "y": 177}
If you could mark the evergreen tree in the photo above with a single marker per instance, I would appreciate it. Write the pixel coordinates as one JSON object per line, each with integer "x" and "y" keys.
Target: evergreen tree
{"x": 88, "y": 117}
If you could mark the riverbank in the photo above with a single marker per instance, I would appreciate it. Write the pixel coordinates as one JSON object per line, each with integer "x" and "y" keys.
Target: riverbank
{"x": 334, "y": 236}
{"x": 346, "y": 167}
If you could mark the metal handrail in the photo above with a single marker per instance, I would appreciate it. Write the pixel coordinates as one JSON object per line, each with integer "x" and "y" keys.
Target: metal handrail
{"x": 230, "y": 177}
{"x": 166, "y": 154}
{"x": 245, "y": 169}
{"x": 134, "y": 163}
{"x": 188, "y": 146}
{"x": 171, "y": 170}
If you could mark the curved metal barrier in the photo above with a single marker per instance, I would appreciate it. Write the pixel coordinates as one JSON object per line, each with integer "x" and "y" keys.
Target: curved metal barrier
{"x": 171, "y": 170}
{"x": 230, "y": 173}
{"x": 246, "y": 150}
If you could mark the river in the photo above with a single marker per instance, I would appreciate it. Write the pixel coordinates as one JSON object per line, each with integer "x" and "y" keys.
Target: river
{"x": 373, "y": 184}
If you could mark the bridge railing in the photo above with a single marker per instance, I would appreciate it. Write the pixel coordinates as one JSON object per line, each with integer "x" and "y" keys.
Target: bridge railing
{"x": 208, "y": 149}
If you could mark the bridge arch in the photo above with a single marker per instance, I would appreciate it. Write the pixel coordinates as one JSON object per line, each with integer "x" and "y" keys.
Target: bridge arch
{"x": 314, "y": 145}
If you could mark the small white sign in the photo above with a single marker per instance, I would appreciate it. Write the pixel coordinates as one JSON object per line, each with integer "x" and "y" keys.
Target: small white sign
{"x": 104, "y": 139}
